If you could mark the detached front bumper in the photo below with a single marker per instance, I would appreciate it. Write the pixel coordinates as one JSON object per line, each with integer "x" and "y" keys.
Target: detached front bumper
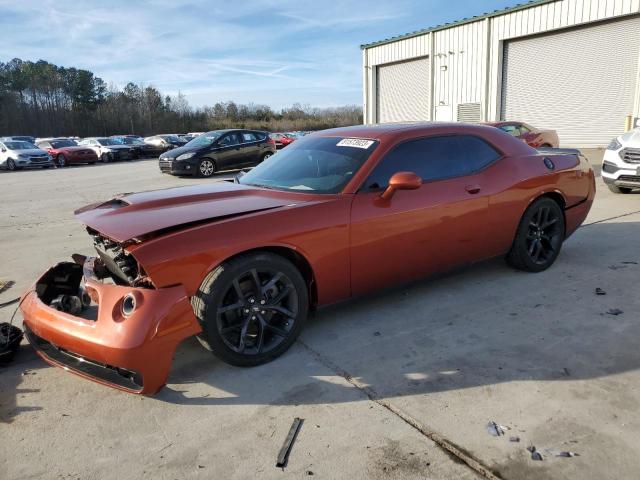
{"x": 132, "y": 353}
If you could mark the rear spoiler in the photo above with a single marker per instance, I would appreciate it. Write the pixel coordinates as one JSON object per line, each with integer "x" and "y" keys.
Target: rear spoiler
{"x": 559, "y": 151}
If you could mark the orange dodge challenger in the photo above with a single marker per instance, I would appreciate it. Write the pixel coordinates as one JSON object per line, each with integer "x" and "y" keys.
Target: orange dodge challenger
{"x": 336, "y": 214}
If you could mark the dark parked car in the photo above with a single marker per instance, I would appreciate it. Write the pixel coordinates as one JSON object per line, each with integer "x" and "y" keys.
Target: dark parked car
{"x": 20, "y": 138}
{"x": 140, "y": 148}
{"x": 164, "y": 143}
{"x": 218, "y": 150}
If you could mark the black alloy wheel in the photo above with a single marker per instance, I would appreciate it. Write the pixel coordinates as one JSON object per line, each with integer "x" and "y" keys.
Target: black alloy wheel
{"x": 252, "y": 308}
{"x": 539, "y": 237}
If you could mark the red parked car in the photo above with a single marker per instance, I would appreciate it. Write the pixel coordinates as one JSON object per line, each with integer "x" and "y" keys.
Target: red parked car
{"x": 282, "y": 139}
{"x": 67, "y": 152}
{"x": 530, "y": 135}
{"x": 337, "y": 214}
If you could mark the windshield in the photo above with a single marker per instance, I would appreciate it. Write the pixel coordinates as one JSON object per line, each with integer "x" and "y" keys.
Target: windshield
{"x": 314, "y": 164}
{"x": 172, "y": 138}
{"x": 205, "y": 139}
{"x": 63, "y": 143}
{"x": 108, "y": 141}
{"x": 19, "y": 146}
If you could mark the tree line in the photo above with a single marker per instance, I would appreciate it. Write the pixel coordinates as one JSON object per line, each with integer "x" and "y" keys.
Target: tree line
{"x": 42, "y": 99}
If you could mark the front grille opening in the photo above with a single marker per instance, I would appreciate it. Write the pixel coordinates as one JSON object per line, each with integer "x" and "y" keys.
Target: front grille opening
{"x": 61, "y": 288}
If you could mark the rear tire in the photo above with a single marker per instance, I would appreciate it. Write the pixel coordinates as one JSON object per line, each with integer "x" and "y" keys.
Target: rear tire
{"x": 539, "y": 236}
{"x": 617, "y": 189}
{"x": 265, "y": 156}
{"x": 62, "y": 161}
{"x": 251, "y": 308}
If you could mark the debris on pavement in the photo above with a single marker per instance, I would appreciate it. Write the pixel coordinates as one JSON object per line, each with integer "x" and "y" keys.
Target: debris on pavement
{"x": 629, "y": 263}
{"x": 615, "y": 311}
{"x": 495, "y": 430}
{"x": 6, "y": 285}
{"x": 514, "y": 439}
{"x": 535, "y": 455}
{"x": 600, "y": 291}
{"x": 566, "y": 371}
{"x": 9, "y": 302}
{"x": 617, "y": 267}
{"x": 560, "y": 453}
{"x": 376, "y": 334}
{"x": 283, "y": 456}
{"x": 10, "y": 338}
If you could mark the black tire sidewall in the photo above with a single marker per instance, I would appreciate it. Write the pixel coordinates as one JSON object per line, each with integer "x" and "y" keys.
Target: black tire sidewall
{"x": 217, "y": 284}
{"x": 64, "y": 161}
{"x": 519, "y": 256}
{"x": 9, "y": 163}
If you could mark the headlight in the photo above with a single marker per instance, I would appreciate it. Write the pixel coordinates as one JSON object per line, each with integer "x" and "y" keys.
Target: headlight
{"x": 185, "y": 156}
{"x": 614, "y": 145}
{"x": 23, "y": 155}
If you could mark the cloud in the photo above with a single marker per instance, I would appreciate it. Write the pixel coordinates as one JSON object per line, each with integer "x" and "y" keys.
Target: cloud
{"x": 265, "y": 51}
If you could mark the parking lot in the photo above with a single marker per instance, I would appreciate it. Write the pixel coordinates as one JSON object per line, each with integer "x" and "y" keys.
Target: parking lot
{"x": 400, "y": 384}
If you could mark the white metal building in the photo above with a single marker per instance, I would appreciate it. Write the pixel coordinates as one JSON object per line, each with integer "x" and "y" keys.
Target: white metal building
{"x": 569, "y": 65}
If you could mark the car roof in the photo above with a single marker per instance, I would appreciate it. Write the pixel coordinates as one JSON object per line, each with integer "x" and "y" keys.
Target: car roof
{"x": 382, "y": 130}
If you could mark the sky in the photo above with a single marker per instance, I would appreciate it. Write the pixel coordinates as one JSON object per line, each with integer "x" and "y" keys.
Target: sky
{"x": 271, "y": 52}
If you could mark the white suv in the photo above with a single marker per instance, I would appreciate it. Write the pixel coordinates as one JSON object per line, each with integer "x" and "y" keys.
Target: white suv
{"x": 621, "y": 162}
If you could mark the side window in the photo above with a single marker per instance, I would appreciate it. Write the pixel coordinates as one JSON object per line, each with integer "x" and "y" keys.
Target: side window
{"x": 524, "y": 129}
{"x": 260, "y": 136}
{"x": 434, "y": 158}
{"x": 44, "y": 145}
{"x": 229, "y": 139}
{"x": 511, "y": 130}
{"x": 248, "y": 137}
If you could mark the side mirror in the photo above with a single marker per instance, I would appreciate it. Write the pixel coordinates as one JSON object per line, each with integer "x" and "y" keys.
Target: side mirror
{"x": 638, "y": 122}
{"x": 401, "y": 181}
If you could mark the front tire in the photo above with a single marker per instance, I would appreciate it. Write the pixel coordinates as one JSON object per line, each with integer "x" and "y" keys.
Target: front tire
{"x": 105, "y": 158}
{"x": 62, "y": 161}
{"x": 265, "y": 156}
{"x": 251, "y": 308}
{"x": 11, "y": 165}
{"x": 206, "y": 168}
{"x": 539, "y": 236}
{"x": 617, "y": 189}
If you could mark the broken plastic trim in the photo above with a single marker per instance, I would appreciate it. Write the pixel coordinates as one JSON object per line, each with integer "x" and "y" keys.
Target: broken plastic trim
{"x": 121, "y": 377}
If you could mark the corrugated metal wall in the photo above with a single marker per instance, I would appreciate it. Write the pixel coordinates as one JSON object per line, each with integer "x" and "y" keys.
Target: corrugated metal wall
{"x": 467, "y": 59}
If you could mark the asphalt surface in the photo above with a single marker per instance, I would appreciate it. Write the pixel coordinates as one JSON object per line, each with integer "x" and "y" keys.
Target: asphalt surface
{"x": 400, "y": 384}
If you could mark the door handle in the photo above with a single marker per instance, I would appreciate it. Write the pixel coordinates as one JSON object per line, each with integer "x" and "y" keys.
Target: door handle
{"x": 472, "y": 189}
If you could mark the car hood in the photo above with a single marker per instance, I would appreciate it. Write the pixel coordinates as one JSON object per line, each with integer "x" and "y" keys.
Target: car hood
{"x": 135, "y": 215}
{"x": 29, "y": 151}
{"x": 175, "y": 152}
{"x": 631, "y": 139}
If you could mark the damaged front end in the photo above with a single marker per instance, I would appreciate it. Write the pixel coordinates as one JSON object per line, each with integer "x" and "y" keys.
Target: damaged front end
{"x": 102, "y": 318}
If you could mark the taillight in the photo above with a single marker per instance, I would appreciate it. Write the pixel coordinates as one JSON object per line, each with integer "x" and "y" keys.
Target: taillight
{"x": 271, "y": 141}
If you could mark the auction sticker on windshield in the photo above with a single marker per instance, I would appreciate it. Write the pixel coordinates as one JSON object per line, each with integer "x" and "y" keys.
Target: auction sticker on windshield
{"x": 355, "y": 142}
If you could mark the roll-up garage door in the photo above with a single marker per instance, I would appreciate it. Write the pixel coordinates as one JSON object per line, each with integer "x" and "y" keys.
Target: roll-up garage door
{"x": 403, "y": 91}
{"x": 580, "y": 82}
